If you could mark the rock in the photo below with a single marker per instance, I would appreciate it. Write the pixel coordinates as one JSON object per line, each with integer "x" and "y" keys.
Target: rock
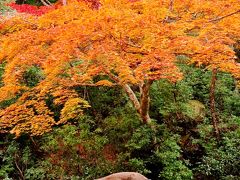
{"x": 124, "y": 176}
{"x": 196, "y": 110}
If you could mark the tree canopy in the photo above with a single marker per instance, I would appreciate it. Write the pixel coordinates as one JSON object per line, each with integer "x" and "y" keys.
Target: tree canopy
{"x": 122, "y": 43}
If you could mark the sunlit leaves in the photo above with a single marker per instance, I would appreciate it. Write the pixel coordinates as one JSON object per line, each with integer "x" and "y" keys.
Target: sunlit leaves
{"x": 125, "y": 42}
{"x": 72, "y": 109}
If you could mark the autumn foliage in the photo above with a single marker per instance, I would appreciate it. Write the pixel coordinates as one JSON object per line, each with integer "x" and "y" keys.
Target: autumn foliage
{"x": 40, "y": 10}
{"x": 30, "y": 9}
{"x": 121, "y": 44}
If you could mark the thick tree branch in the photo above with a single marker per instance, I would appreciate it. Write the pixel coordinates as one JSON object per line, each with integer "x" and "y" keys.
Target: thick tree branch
{"x": 132, "y": 97}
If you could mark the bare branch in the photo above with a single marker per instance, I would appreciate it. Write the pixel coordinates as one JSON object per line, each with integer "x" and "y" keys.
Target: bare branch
{"x": 19, "y": 169}
{"x": 171, "y": 5}
{"x": 222, "y": 17}
{"x": 45, "y": 2}
{"x": 132, "y": 97}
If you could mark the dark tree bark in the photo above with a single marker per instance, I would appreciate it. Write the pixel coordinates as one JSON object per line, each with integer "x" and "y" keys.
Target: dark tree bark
{"x": 145, "y": 101}
{"x": 20, "y": 1}
{"x": 212, "y": 103}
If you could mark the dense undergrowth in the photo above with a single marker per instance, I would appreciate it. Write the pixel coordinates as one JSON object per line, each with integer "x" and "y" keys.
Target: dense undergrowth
{"x": 110, "y": 138}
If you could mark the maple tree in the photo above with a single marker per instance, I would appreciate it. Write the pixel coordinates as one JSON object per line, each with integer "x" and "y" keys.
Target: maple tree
{"x": 123, "y": 43}
{"x": 214, "y": 50}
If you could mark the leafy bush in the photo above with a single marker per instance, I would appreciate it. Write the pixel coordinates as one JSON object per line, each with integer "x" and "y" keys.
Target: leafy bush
{"x": 221, "y": 160}
{"x": 19, "y": 161}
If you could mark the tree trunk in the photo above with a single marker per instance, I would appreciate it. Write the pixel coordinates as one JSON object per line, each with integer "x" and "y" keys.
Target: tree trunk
{"x": 145, "y": 102}
{"x": 132, "y": 97}
{"x": 142, "y": 107}
{"x": 212, "y": 102}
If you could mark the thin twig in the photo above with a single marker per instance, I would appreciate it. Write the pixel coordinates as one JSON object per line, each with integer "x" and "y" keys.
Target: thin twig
{"x": 20, "y": 171}
{"x": 45, "y": 3}
{"x": 222, "y": 17}
{"x": 34, "y": 143}
{"x": 170, "y": 8}
{"x": 48, "y": 2}
{"x": 171, "y": 5}
{"x": 88, "y": 84}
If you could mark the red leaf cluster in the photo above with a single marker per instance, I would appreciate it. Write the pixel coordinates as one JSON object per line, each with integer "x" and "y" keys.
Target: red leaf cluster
{"x": 38, "y": 11}
{"x": 30, "y": 9}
